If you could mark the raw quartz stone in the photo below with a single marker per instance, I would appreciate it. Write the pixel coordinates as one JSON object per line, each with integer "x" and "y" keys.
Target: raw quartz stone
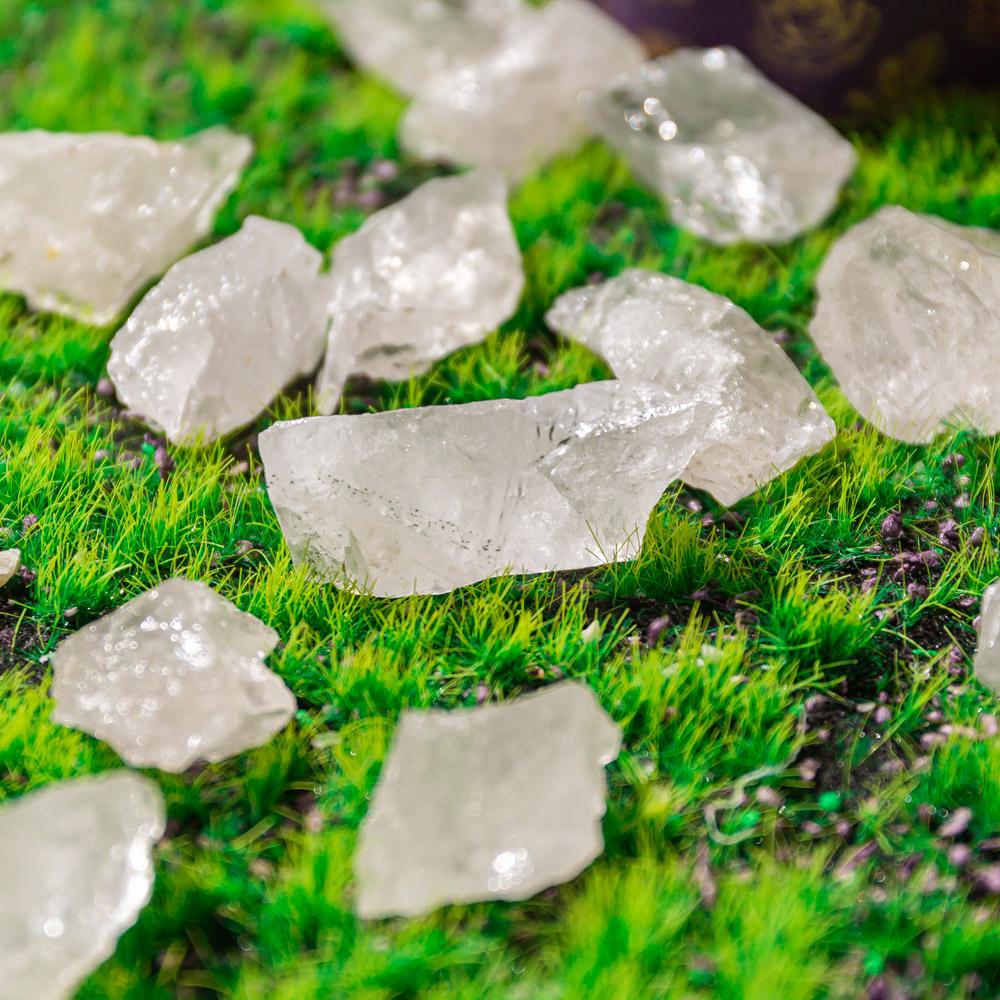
{"x": 762, "y": 416}
{"x": 10, "y": 563}
{"x": 76, "y": 869}
{"x": 987, "y": 663}
{"x": 174, "y": 676}
{"x": 733, "y": 156}
{"x": 225, "y": 330}
{"x": 409, "y": 42}
{"x": 86, "y": 220}
{"x": 429, "y": 499}
{"x": 497, "y": 802}
{"x": 518, "y": 105}
{"x": 420, "y": 279}
{"x": 908, "y": 319}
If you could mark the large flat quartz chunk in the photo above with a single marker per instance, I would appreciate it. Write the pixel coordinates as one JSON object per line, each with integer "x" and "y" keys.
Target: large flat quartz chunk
{"x": 76, "y": 870}
{"x": 497, "y": 802}
{"x": 909, "y": 321}
{"x": 426, "y": 500}
{"x": 87, "y": 219}
{"x": 409, "y": 42}
{"x": 174, "y": 676}
{"x": 434, "y": 272}
{"x": 762, "y": 416}
{"x": 518, "y": 105}
{"x": 225, "y": 330}
{"x": 987, "y": 664}
{"x": 733, "y": 156}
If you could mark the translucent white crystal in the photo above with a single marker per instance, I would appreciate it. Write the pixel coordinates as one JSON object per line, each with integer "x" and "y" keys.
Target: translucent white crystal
{"x": 87, "y": 219}
{"x": 426, "y": 500}
{"x": 409, "y": 42}
{"x": 497, "y": 802}
{"x": 174, "y": 676}
{"x": 908, "y": 318}
{"x": 733, "y": 155}
{"x": 75, "y": 872}
{"x": 518, "y": 105}
{"x": 762, "y": 416}
{"x": 10, "y": 563}
{"x": 987, "y": 665}
{"x": 225, "y": 330}
{"x": 432, "y": 273}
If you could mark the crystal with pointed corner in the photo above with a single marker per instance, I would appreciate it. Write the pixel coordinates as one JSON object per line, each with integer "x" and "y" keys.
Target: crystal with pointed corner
{"x": 518, "y": 105}
{"x": 434, "y": 272}
{"x": 86, "y": 220}
{"x": 10, "y": 563}
{"x": 763, "y": 416}
{"x": 426, "y": 500}
{"x": 76, "y": 869}
{"x": 733, "y": 156}
{"x": 987, "y": 663}
{"x": 226, "y": 329}
{"x": 174, "y": 676}
{"x": 497, "y": 802}
{"x": 908, "y": 316}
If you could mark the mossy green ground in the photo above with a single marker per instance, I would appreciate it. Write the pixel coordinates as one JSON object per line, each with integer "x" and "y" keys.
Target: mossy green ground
{"x": 799, "y": 732}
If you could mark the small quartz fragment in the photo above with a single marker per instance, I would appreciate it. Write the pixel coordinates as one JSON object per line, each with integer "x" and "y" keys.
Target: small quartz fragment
{"x": 908, "y": 319}
{"x": 429, "y": 499}
{"x": 225, "y": 330}
{"x": 87, "y": 219}
{"x": 174, "y": 676}
{"x": 76, "y": 870}
{"x": 733, "y": 156}
{"x": 420, "y": 279}
{"x": 409, "y": 42}
{"x": 10, "y": 563}
{"x": 987, "y": 664}
{"x": 518, "y": 105}
{"x": 497, "y": 802}
{"x": 762, "y": 415}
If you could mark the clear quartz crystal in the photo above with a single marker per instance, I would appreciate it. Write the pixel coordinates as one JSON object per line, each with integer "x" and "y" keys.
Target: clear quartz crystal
{"x": 76, "y": 870}
{"x": 174, "y": 676}
{"x": 226, "y": 329}
{"x": 518, "y": 105}
{"x": 987, "y": 664}
{"x": 86, "y": 220}
{"x": 426, "y": 500}
{"x": 434, "y": 272}
{"x": 908, "y": 319}
{"x": 497, "y": 802}
{"x": 409, "y": 42}
{"x": 763, "y": 416}
{"x": 733, "y": 156}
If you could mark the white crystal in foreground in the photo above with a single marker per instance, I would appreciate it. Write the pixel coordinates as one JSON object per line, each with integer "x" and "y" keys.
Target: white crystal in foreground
{"x": 420, "y": 279}
{"x": 733, "y": 156}
{"x": 75, "y": 870}
{"x": 174, "y": 676}
{"x": 10, "y": 563}
{"x": 497, "y": 802}
{"x": 518, "y": 105}
{"x": 909, "y": 321}
{"x": 987, "y": 665}
{"x": 225, "y": 330}
{"x": 426, "y": 500}
{"x": 87, "y": 219}
{"x": 409, "y": 42}
{"x": 761, "y": 414}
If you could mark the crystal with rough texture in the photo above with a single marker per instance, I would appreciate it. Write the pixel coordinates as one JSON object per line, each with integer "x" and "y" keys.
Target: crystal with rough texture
{"x": 87, "y": 219}
{"x": 497, "y": 802}
{"x": 10, "y": 563}
{"x": 420, "y": 279}
{"x": 908, "y": 317}
{"x": 733, "y": 155}
{"x": 174, "y": 676}
{"x": 762, "y": 415}
{"x": 426, "y": 500}
{"x": 225, "y": 330}
{"x": 409, "y": 42}
{"x": 76, "y": 870}
{"x": 987, "y": 666}
{"x": 518, "y": 105}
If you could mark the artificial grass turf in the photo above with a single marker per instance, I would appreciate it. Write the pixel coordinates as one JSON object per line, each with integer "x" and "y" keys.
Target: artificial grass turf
{"x": 800, "y": 723}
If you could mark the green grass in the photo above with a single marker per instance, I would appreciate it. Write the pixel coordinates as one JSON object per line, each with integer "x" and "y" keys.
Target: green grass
{"x": 796, "y": 732}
